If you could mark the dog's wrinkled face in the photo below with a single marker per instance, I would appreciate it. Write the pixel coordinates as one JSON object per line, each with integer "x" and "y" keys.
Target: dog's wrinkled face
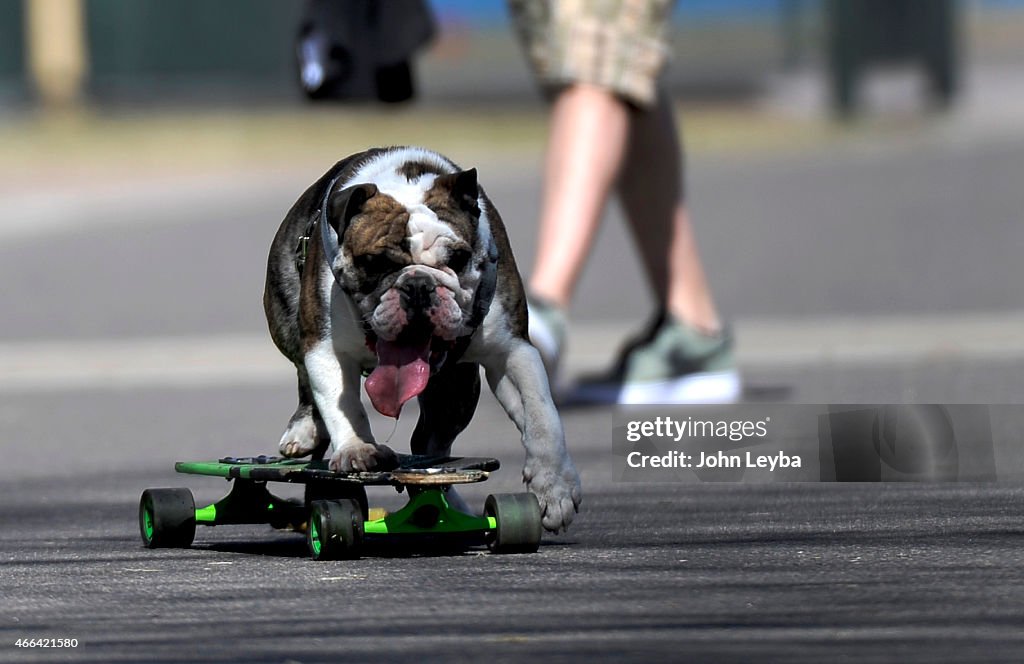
{"x": 412, "y": 257}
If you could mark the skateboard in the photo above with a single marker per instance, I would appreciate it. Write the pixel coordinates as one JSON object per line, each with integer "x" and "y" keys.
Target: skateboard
{"x": 334, "y": 511}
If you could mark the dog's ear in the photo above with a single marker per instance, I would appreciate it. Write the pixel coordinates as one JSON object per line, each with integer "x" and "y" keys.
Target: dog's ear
{"x": 336, "y": 213}
{"x": 462, "y": 188}
{"x": 347, "y": 203}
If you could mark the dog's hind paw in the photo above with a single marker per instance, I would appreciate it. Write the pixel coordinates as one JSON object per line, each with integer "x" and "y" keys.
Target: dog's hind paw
{"x": 559, "y": 493}
{"x": 357, "y": 456}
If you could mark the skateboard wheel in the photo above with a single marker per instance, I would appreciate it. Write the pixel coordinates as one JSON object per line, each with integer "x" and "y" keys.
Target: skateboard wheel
{"x": 518, "y": 522}
{"x": 335, "y": 529}
{"x": 338, "y": 491}
{"x": 167, "y": 518}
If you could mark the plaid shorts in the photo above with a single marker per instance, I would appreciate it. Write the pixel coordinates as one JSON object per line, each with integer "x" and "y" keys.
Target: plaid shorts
{"x": 620, "y": 45}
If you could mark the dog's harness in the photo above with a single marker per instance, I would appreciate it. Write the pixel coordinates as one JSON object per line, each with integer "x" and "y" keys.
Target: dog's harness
{"x": 302, "y": 245}
{"x": 331, "y": 241}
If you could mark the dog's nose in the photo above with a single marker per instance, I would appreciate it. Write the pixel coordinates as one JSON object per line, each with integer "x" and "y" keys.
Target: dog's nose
{"x": 417, "y": 290}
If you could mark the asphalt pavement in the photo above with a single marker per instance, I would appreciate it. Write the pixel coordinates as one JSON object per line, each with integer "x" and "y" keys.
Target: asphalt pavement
{"x": 859, "y": 271}
{"x": 666, "y": 572}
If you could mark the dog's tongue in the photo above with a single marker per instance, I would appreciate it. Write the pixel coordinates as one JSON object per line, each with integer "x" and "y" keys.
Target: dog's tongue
{"x": 402, "y": 372}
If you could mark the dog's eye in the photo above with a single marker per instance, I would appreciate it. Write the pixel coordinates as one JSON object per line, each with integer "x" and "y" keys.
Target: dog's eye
{"x": 376, "y": 264}
{"x": 457, "y": 259}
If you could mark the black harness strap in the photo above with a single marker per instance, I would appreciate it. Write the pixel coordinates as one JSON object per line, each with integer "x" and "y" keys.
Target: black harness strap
{"x": 330, "y": 238}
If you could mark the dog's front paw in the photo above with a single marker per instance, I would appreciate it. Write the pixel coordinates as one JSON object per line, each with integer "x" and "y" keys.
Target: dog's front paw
{"x": 302, "y": 437}
{"x": 356, "y": 456}
{"x": 558, "y": 490}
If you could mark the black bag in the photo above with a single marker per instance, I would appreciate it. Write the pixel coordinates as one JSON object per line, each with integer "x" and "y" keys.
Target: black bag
{"x": 361, "y": 49}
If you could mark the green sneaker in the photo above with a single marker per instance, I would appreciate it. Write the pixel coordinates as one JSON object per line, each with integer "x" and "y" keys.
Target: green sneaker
{"x": 547, "y": 334}
{"x": 670, "y": 363}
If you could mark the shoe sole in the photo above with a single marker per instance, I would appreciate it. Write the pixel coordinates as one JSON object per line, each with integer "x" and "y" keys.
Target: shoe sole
{"x": 711, "y": 387}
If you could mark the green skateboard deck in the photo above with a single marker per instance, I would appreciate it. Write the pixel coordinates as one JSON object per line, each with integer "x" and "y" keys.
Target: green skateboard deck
{"x": 412, "y": 469}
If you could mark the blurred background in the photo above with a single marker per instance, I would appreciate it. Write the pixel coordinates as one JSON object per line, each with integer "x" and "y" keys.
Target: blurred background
{"x": 855, "y": 173}
{"x": 854, "y": 167}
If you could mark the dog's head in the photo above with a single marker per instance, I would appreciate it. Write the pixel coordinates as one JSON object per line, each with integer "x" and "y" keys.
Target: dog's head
{"x": 419, "y": 265}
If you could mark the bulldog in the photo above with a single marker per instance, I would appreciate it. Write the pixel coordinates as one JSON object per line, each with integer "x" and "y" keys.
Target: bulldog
{"x": 395, "y": 266}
